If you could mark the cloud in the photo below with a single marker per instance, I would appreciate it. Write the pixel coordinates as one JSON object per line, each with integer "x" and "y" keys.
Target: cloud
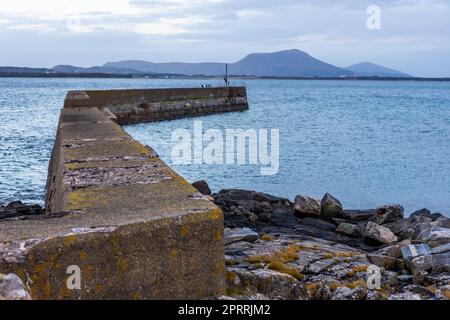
{"x": 222, "y": 30}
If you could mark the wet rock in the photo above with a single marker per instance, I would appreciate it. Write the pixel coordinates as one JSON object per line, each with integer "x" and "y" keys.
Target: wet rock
{"x": 264, "y": 197}
{"x": 344, "y": 293}
{"x": 239, "y": 234}
{"x": 330, "y": 207}
{"x": 19, "y": 209}
{"x": 349, "y": 229}
{"x": 389, "y": 214}
{"x": 12, "y": 288}
{"x": 358, "y": 215}
{"x": 203, "y": 187}
{"x": 305, "y": 206}
{"x": 377, "y": 233}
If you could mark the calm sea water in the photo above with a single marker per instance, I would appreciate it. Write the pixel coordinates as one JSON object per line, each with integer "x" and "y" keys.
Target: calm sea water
{"x": 368, "y": 143}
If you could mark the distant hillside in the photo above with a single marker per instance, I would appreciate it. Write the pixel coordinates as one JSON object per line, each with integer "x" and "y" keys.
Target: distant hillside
{"x": 290, "y": 63}
{"x": 19, "y": 70}
{"x": 105, "y": 70}
{"x": 282, "y": 64}
{"x": 368, "y": 69}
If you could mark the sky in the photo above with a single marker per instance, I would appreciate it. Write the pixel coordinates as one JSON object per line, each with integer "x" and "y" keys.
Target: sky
{"x": 414, "y": 35}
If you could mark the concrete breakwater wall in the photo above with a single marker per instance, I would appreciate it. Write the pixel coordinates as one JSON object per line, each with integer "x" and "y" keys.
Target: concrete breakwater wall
{"x": 135, "y": 106}
{"x": 120, "y": 224}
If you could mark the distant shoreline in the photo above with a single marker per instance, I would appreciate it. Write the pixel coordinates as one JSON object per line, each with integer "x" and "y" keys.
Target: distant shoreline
{"x": 172, "y": 77}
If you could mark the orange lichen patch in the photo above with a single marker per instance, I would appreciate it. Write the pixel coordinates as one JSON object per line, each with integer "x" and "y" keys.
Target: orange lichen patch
{"x": 356, "y": 284}
{"x": 344, "y": 254}
{"x": 313, "y": 289}
{"x": 334, "y": 285}
{"x": 231, "y": 262}
{"x": 283, "y": 268}
{"x": 184, "y": 231}
{"x": 122, "y": 264}
{"x": 267, "y": 237}
{"x": 83, "y": 255}
{"x": 446, "y": 294}
{"x": 357, "y": 269}
{"x": 277, "y": 260}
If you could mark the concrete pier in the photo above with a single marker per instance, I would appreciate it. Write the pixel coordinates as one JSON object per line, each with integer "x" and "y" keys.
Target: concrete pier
{"x": 116, "y": 212}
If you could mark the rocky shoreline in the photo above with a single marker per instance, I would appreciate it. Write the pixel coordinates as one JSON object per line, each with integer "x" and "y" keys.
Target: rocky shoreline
{"x": 317, "y": 250}
{"x": 313, "y": 249}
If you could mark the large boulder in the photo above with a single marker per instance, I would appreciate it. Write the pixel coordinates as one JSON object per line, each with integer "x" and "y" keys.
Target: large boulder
{"x": 438, "y": 237}
{"x": 386, "y": 262}
{"x": 349, "y": 229}
{"x": 441, "y": 263}
{"x": 390, "y": 213}
{"x": 379, "y": 234}
{"x": 394, "y": 250}
{"x": 306, "y": 206}
{"x": 330, "y": 207}
{"x": 358, "y": 215}
{"x": 413, "y": 251}
{"x": 12, "y": 288}
{"x": 202, "y": 187}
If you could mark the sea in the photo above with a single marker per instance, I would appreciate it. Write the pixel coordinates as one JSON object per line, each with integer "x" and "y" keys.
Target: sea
{"x": 369, "y": 143}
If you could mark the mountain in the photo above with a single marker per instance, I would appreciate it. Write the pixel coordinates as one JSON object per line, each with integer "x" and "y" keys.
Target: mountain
{"x": 289, "y": 63}
{"x": 368, "y": 69}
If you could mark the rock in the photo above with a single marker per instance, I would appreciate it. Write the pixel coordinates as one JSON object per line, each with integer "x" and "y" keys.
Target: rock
{"x": 344, "y": 293}
{"x": 358, "y": 215}
{"x": 422, "y": 263}
{"x": 318, "y": 223}
{"x": 305, "y": 206}
{"x": 377, "y": 233}
{"x": 12, "y": 288}
{"x": 349, "y": 229}
{"x": 330, "y": 207}
{"x": 239, "y": 234}
{"x": 440, "y": 263}
{"x": 405, "y": 296}
{"x": 412, "y": 251}
{"x": 388, "y": 263}
{"x": 389, "y": 214}
{"x": 422, "y": 291}
{"x": 438, "y": 237}
{"x": 264, "y": 197}
{"x": 394, "y": 250}
{"x": 203, "y": 187}
{"x": 272, "y": 284}
{"x": 441, "y": 249}
{"x": 19, "y": 209}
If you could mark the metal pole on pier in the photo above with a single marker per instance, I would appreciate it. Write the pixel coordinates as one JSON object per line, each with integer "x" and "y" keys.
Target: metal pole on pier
{"x": 226, "y": 75}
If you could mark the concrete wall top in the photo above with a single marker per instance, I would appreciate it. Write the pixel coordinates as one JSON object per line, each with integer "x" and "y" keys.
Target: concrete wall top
{"x": 108, "y": 98}
{"x": 134, "y": 227}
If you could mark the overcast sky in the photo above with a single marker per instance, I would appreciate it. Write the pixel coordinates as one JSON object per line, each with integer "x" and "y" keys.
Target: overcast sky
{"x": 414, "y": 35}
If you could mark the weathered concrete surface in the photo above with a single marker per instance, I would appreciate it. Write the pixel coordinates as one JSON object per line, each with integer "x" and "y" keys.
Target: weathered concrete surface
{"x": 135, "y": 228}
{"x": 134, "y": 106}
